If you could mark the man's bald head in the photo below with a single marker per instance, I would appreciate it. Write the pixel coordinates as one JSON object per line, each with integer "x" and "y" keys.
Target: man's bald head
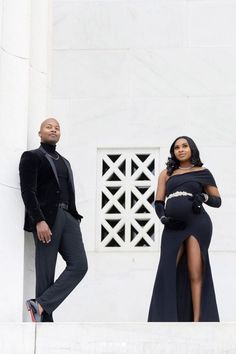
{"x": 49, "y": 120}
{"x": 50, "y": 131}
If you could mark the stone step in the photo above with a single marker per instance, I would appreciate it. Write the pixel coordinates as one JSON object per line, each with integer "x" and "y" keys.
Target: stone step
{"x": 117, "y": 338}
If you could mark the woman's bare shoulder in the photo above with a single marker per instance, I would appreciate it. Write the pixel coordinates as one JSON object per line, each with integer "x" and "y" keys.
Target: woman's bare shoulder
{"x": 163, "y": 175}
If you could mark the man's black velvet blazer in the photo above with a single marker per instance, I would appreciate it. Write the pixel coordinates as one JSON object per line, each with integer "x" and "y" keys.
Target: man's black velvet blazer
{"x": 40, "y": 188}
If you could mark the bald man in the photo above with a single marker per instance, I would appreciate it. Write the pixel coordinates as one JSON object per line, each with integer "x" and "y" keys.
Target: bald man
{"x": 47, "y": 189}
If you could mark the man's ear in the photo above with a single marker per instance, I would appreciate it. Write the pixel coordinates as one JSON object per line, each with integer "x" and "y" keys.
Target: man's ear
{"x": 39, "y": 134}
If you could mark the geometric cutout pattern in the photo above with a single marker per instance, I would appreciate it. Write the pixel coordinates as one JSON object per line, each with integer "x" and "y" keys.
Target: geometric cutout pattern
{"x": 126, "y": 193}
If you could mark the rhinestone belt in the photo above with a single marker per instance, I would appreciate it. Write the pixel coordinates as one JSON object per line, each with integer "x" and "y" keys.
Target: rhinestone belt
{"x": 179, "y": 194}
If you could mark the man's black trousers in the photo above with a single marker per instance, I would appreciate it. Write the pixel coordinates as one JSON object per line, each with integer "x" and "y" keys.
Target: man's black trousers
{"x": 66, "y": 240}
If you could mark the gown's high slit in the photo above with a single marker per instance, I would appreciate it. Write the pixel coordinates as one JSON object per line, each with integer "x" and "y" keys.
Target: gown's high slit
{"x": 171, "y": 298}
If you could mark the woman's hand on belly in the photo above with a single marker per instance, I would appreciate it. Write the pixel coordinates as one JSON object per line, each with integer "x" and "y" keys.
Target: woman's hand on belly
{"x": 172, "y": 223}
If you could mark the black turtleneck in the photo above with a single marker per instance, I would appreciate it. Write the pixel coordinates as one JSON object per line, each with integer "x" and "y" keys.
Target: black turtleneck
{"x": 51, "y": 149}
{"x": 62, "y": 171}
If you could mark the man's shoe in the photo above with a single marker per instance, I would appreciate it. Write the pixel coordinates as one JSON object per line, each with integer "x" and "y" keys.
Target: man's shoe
{"x": 45, "y": 317}
{"x": 33, "y": 307}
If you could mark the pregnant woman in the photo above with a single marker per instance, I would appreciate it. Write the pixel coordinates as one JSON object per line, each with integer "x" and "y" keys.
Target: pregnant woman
{"x": 183, "y": 289}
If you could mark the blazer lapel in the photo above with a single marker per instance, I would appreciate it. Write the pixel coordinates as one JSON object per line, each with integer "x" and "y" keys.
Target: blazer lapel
{"x": 70, "y": 174}
{"x": 51, "y": 162}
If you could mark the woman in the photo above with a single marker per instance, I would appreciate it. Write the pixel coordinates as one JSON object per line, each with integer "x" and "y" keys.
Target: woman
{"x": 184, "y": 289}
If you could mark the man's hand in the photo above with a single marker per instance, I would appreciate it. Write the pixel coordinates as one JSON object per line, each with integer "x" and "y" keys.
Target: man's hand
{"x": 43, "y": 232}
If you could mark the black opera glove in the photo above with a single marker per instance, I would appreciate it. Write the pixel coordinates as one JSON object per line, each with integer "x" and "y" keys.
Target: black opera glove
{"x": 199, "y": 199}
{"x": 159, "y": 208}
{"x": 169, "y": 222}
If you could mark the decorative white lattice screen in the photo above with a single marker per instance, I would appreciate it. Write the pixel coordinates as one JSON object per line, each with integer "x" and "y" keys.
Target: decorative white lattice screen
{"x": 126, "y": 190}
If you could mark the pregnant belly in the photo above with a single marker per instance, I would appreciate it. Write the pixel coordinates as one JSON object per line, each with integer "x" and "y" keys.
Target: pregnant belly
{"x": 179, "y": 208}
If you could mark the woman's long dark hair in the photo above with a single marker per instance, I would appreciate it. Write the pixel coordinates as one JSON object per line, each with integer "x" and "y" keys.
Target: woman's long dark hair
{"x": 172, "y": 163}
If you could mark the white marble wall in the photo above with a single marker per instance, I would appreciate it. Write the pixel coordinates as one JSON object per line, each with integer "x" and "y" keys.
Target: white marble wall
{"x": 159, "y": 69}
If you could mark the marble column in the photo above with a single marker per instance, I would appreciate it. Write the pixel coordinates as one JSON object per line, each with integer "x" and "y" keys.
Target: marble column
{"x": 40, "y": 59}
{"x": 39, "y": 87}
{"x": 14, "y": 86}
{"x": 19, "y": 39}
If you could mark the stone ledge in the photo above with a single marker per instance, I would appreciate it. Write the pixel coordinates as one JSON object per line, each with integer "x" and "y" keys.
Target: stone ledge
{"x": 117, "y": 338}
{"x": 17, "y": 338}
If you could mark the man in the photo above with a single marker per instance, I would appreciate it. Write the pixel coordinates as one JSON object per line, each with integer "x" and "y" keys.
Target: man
{"x": 47, "y": 190}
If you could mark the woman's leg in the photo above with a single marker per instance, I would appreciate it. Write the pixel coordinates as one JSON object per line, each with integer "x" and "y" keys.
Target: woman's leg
{"x": 195, "y": 268}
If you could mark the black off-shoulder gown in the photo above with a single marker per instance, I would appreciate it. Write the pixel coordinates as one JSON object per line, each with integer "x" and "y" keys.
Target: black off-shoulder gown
{"x": 171, "y": 298}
